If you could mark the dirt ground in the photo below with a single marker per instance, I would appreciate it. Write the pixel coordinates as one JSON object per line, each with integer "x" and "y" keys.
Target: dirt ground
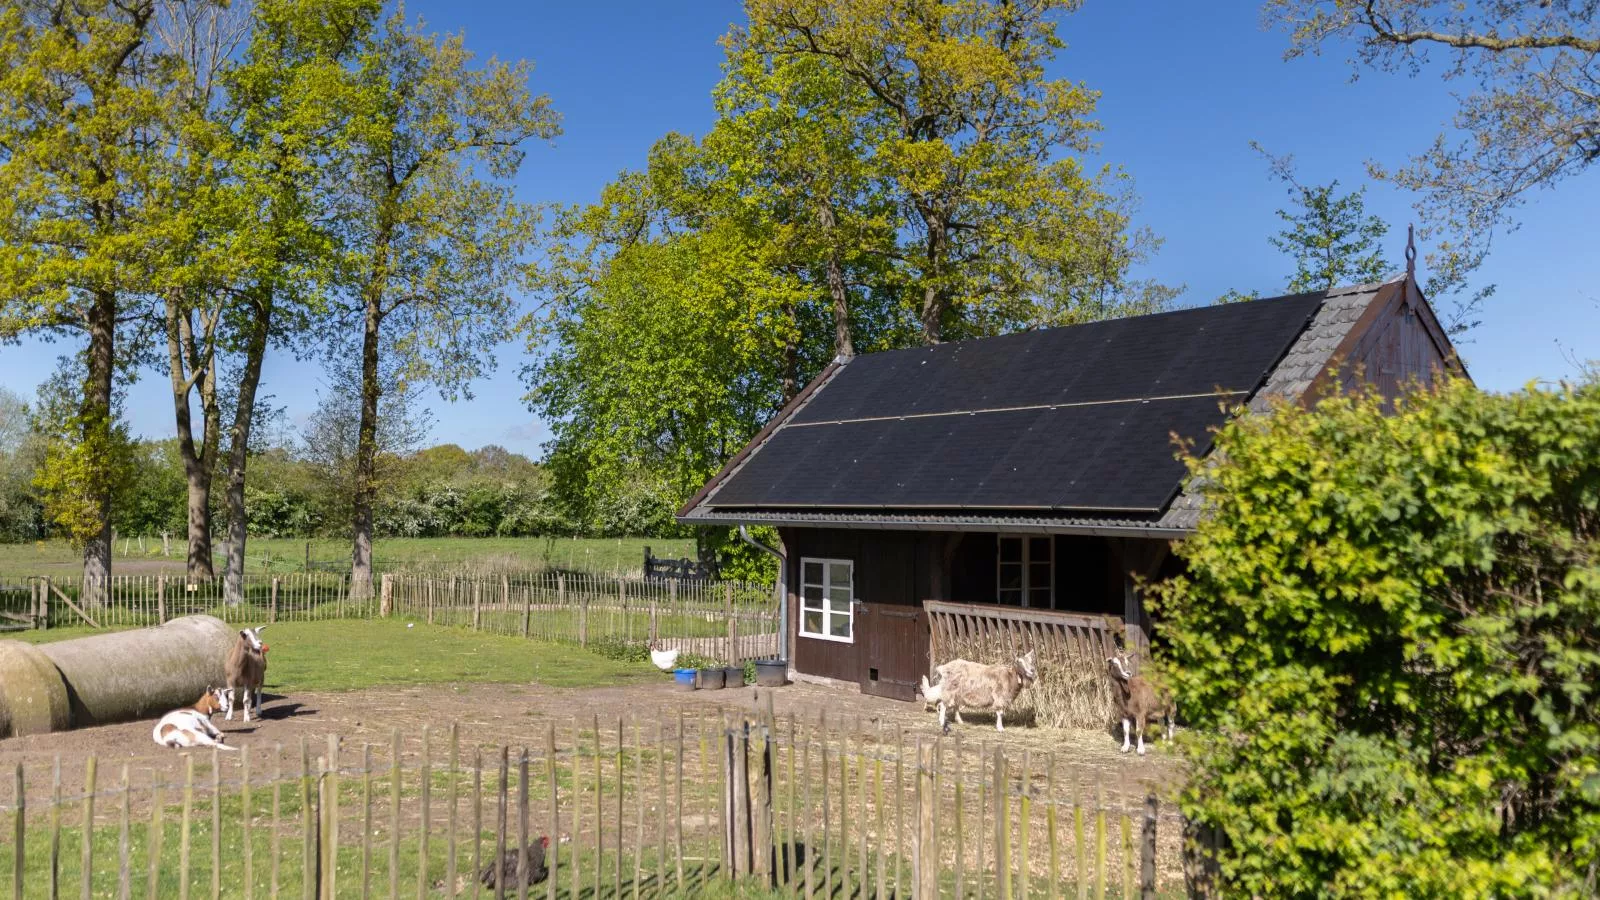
{"x": 490, "y": 715}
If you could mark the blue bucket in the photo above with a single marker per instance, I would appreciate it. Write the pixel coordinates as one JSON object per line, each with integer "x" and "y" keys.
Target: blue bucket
{"x": 684, "y": 679}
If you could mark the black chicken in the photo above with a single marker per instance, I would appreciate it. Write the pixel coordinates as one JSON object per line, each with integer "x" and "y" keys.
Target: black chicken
{"x": 506, "y": 866}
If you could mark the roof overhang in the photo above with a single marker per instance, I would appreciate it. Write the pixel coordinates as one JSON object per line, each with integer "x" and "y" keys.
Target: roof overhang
{"x": 988, "y": 525}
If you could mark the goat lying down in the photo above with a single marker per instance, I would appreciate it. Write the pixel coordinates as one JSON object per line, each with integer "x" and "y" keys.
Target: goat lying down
{"x": 191, "y": 726}
{"x": 1138, "y": 699}
{"x": 979, "y": 686}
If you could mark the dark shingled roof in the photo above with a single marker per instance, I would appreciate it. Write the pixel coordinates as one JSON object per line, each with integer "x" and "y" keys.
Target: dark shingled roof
{"x": 1058, "y": 430}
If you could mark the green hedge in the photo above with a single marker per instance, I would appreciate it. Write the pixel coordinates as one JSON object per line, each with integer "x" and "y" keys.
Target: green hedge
{"x": 1388, "y": 645}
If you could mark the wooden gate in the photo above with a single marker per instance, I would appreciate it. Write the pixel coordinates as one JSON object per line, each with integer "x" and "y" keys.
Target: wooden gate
{"x": 893, "y": 650}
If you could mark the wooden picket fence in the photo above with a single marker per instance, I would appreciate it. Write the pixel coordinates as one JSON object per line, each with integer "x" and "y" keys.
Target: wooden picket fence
{"x": 128, "y": 601}
{"x": 728, "y": 621}
{"x": 665, "y": 805}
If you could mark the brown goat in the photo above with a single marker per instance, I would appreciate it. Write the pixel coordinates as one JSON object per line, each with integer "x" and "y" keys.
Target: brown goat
{"x": 1138, "y": 699}
{"x": 979, "y": 686}
{"x": 246, "y": 671}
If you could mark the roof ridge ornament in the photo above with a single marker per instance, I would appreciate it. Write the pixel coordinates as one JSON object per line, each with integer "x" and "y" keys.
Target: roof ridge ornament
{"x": 1411, "y": 252}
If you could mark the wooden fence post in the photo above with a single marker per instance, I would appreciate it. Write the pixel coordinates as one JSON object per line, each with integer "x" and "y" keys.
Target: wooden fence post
{"x": 272, "y": 609}
{"x": 924, "y": 860}
{"x": 330, "y": 813}
{"x": 739, "y": 775}
{"x": 505, "y": 593}
{"x": 386, "y": 595}
{"x": 527, "y": 608}
{"x": 583, "y": 620}
{"x": 19, "y": 838}
{"x": 733, "y": 627}
{"x": 622, "y": 602}
{"x": 477, "y": 603}
{"x": 1002, "y": 826}
{"x": 1147, "y": 873}
{"x": 44, "y": 604}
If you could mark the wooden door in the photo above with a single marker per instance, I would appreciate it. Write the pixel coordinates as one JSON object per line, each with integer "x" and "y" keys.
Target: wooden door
{"x": 893, "y": 641}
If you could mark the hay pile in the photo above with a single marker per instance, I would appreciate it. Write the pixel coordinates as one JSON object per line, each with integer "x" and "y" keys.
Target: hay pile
{"x": 1073, "y": 690}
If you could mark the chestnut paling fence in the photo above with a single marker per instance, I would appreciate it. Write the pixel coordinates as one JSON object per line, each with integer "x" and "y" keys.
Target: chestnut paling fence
{"x": 670, "y": 805}
{"x": 726, "y": 620}
{"x": 730, "y": 621}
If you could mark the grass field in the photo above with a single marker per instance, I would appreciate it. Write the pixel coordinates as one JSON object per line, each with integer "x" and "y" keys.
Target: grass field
{"x": 265, "y": 555}
{"x": 387, "y": 652}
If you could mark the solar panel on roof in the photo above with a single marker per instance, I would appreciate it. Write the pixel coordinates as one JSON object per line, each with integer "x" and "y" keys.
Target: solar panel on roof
{"x": 1076, "y": 418}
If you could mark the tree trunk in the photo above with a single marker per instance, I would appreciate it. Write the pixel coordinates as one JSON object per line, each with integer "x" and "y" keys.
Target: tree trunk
{"x": 791, "y": 358}
{"x": 366, "y": 452}
{"x": 842, "y": 345}
{"x": 190, "y": 367}
{"x": 96, "y": 414}
{"x": 934, "y": 297}
{"x": 238, "y": 451}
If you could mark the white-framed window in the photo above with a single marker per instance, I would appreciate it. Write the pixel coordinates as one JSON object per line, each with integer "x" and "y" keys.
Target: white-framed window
{"x": 1027, "y": 570}
{"x": 827, "y": 588}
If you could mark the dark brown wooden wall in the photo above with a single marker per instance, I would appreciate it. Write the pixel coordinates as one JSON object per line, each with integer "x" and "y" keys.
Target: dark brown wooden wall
{"x": 896, "y": 570}
{"x": 893, "y": 569}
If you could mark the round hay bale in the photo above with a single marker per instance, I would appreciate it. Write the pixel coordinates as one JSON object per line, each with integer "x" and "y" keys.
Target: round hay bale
{"x": 139, "y": 674}
{"x": 33, "y": 698}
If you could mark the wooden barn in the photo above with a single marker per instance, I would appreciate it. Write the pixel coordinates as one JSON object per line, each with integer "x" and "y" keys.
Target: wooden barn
{"x": 1021, "y": 485}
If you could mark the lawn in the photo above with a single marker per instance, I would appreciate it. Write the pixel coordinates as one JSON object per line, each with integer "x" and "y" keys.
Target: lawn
{"x": 266, "y": 555}
{"x": 342, "y": 655}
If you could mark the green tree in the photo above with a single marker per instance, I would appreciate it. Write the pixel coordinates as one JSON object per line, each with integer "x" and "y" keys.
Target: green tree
{"x": 1001, "y": 229}
{"x": 1329, "y": 235}
{"x": 433, "y": 237}
{"x": 661, "y": 366}
{"x": 703, "y": 292}
{"x": 70, "y": 473}
{"x": 1387, "y": 643}
{"x": 290, "y": 97}
{"x": 20, "y": 517}
{"x": 88, "y": 100}
{"x": 1531, "y": 119}
{"x": 198, "y": 254}
{"x": 331, "y": 442}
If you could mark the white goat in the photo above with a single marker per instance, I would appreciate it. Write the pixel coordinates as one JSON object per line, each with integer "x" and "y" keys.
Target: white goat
{"x": 1138, "y": 699}
{"x": 979, "y": 686}
{"x": 246, "y": 670}
{"x": 191, "y": 726}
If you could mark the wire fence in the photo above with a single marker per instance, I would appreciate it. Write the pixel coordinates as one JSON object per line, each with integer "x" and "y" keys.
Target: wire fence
{"x": 672, "y": 804}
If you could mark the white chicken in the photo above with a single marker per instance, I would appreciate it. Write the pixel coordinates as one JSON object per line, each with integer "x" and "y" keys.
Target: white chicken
{"x": 665, "y": 660}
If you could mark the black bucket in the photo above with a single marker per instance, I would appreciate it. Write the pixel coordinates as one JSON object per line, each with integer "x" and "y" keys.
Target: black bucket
{"x": 772, "y": 672}
{"x": 733, "y": 676}
{"x": 711, "y": 679}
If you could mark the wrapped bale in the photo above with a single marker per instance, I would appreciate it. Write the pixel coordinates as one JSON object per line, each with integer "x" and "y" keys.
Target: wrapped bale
{"x": 140, "y": 674}
{"x": 33, "y": 698}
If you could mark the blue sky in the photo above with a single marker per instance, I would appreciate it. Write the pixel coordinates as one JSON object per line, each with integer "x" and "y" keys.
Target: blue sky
{"x": 1184, "y": 88}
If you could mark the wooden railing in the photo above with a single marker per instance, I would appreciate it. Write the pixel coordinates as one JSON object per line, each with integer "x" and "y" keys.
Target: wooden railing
{"x": 1070, "y": 651}
{"x": 1011, "y": 631}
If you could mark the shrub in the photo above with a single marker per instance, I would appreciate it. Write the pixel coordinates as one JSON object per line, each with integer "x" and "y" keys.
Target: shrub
{"x": 1388, "y": 643}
